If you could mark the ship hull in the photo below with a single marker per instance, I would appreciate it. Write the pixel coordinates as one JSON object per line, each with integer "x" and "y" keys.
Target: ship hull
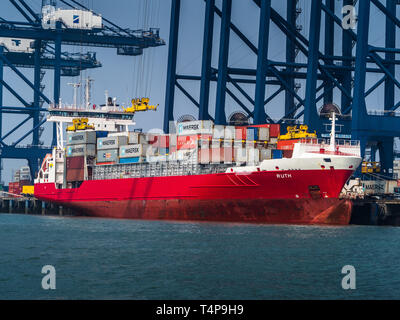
{"x": 287, "y": 197}
{"x": 293, "y": 211}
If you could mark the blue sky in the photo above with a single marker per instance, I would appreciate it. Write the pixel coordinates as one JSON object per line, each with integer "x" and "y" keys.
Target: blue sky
{"x": 123, "y": 78}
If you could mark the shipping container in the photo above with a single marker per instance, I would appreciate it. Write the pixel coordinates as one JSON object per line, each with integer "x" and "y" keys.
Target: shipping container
{"x": 154, "y": 159}
{"x": 252, "y": 134}
{"x": 230, "y": 133}
{"x": 74, "y": 175}
{"x": 240, "y": 133}
{"x": 161, "y": 141}
{"x": 24, "y": 170}
{"x": 286, "y": 144}
{"x": 25, "y": 177}
{"x": 105, "y": 163}
{"x": 75, "y": 162}
{"x": 274, "y": 129}
{"x": 265, "y": 154}
{"x": 195, "y": 127}
{"x": 131, "y": 160}
{"x": 163, "y": 151}
{"x": 25, "y": 182}
{"x": 187, "y": 142}
{"x": 101, "y": 134}
{"x": 216, "y": 144}
{"x": 253, "y": 156}
{"x": 133, "y": 151}
{"x": 228, "y": 155}
{"x": 81, "y": 150}
{"x": 287, "y": 153}
{"x": 277, "y": 154}
{"x": 219, "y": 132}
{"x": 227, "y": 143}
{"x": 263, "y": 134}
{"x": 83, "y": 137}
{"x": 110, "y": 155}
{"x": 187, "y": 155}
{"x": 240, "y": 155}
{"x": 111, "y": 142}
{"x": 172, "y": 140}
{"x": 204, "y": 156}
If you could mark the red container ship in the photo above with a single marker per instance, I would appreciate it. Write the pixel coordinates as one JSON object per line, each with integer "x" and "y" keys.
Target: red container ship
{"x": 302, "y": 189}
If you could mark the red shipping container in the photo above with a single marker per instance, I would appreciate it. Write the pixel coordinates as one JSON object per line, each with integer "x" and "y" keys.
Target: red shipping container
{"x": 287, "y": 153}
{"x": 75, "y": 162}
{"x": 161, "y": 141}
{"x": 286, "y": 144}
{"x": 25, "y": 183}
{"x": 187, "y": 142}
{"x": 274, "y": 129}
{"x": 75, "y": 175}
{"x": 240, "y": 133}
{"x": 104, "y": 163}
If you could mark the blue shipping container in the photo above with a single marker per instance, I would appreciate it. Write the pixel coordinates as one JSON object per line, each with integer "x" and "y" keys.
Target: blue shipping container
{"x": 130, "y": 160}
{"x": 252, "y": 134}
{"x": 101, "y": 134}
{"x": 163, "y": 151}
{"x": 277, "y": 154}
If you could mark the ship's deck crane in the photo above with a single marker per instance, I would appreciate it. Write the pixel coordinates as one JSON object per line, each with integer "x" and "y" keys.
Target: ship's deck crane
{"x": 139, "y": 105}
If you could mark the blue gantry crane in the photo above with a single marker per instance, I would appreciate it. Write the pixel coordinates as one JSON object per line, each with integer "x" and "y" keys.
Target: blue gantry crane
{"x": 47, "y": 32}
{"x": 325, "y": 76}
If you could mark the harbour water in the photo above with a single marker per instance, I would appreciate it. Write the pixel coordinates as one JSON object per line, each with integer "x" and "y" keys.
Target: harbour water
{"x": 129, "y": 259}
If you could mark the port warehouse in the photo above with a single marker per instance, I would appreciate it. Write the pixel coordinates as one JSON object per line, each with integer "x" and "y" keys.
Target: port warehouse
{"x": 376, "y": 130}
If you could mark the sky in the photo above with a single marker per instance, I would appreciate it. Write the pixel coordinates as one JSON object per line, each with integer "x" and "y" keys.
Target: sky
{"x": 127, "y": 77}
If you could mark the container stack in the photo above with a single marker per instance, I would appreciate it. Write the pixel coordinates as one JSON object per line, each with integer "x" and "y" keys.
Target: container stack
{"x": 194, "y": 142}
{"x": 80, "y": 146}
{"x": 108, "y": 149}
{"x": 21, "y": 177}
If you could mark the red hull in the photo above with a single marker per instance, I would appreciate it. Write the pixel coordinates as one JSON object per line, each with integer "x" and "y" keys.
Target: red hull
{"x": 266, "y": 197}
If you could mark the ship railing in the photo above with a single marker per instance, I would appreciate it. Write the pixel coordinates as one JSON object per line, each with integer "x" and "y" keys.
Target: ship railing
{"x": 339, "y": 142}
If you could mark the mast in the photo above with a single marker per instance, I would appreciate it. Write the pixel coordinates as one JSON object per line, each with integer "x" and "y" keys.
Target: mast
{"x": 332, "y": 145}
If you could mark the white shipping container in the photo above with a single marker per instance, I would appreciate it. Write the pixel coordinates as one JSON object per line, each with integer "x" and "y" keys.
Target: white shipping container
{"x": 227, "y": 143}
{"x": 230, "y": 132}
{"x": 253, "y": 156}
{"x": 84, "y": 137}
{"x": 216, "y": 144}
{"x": 110, "y": 155}
{"x": 81, "y": 150}
{"x": 187, "y": 155}
{"x": 173, "y": 140}
{"x": 111, "y": 142}
{"x": 24, "y": 169}
{"x": 195, "y": 127}
{"x": 219, "y": 132}
{"x": 263, "y": 134}
{"x": 265, "y": 154}
{"x": 240, "y": 155}
{"x": 25, "y": 177}
{"x": 132, "y": 151}
{"x": 137, "y": 138}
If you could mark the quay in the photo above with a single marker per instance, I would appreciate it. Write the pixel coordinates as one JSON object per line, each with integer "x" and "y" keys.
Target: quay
{"x": 368, "y": 211}
{"x": 31, "y": 205}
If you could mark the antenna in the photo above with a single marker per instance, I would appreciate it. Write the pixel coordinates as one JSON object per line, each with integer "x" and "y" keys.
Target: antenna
{"x": 76, "y": 86}
{"x": 88, "y": 87}
{"x": 332, "y": 145}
